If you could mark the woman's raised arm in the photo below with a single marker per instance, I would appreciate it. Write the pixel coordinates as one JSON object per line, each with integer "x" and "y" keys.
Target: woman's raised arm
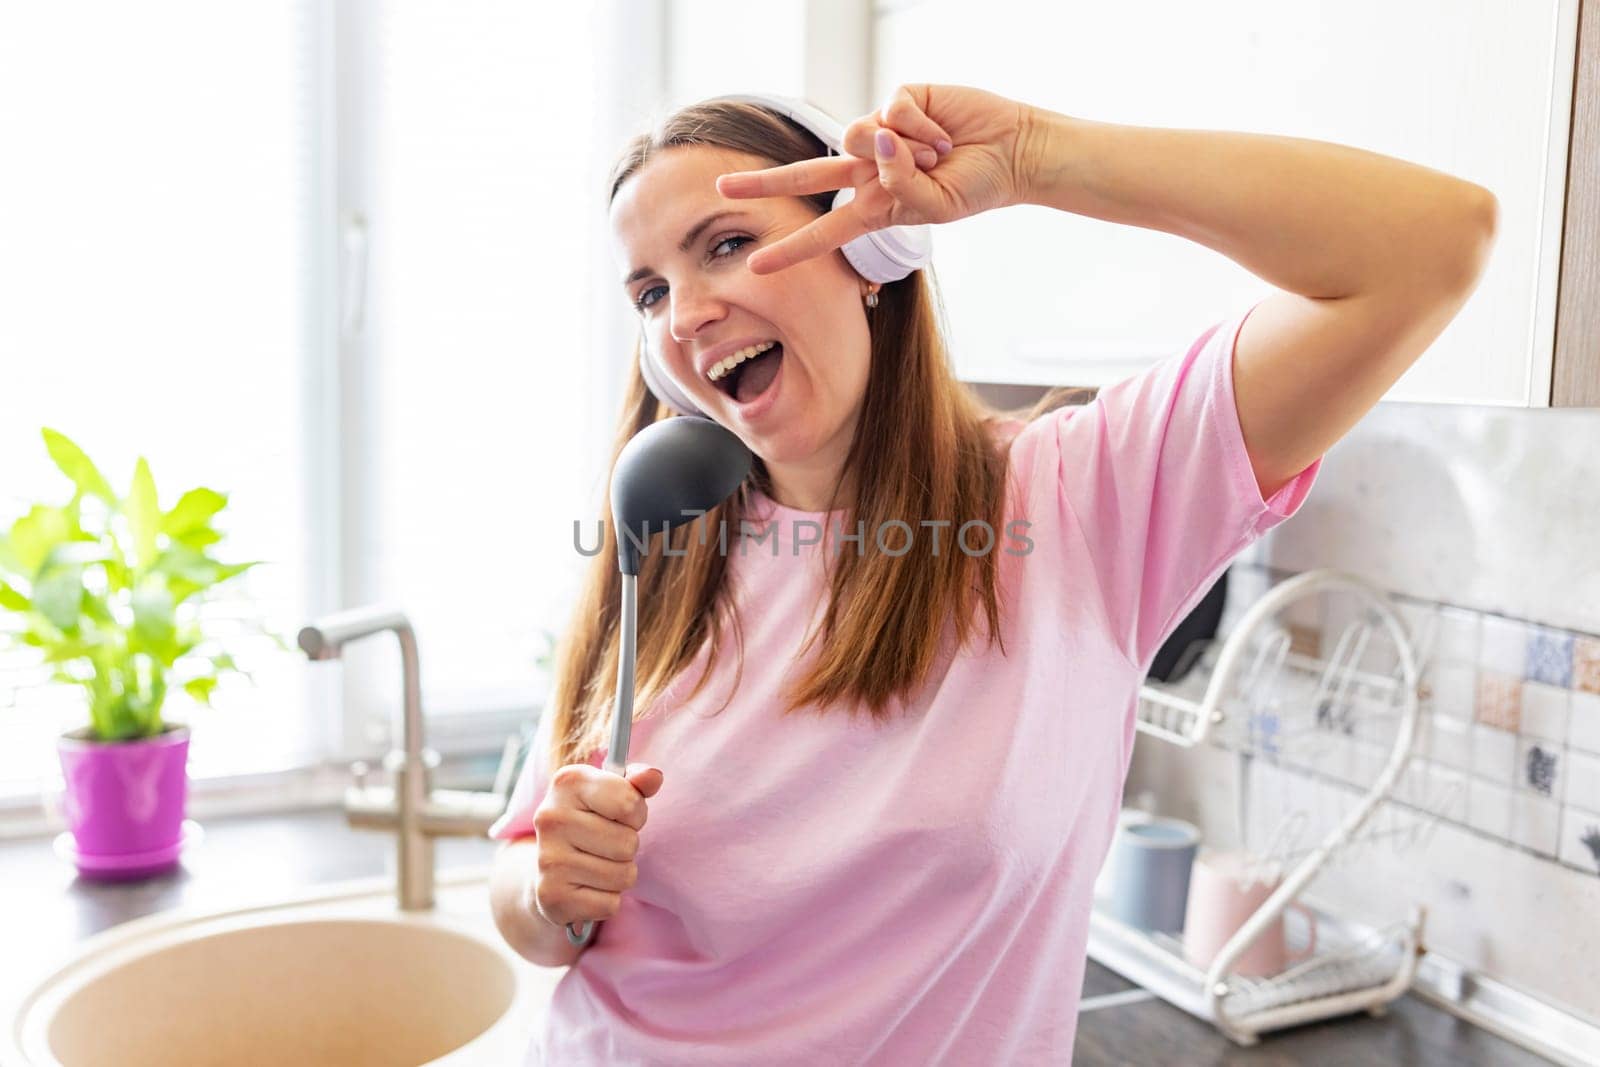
{"x": 1374, "y": 255}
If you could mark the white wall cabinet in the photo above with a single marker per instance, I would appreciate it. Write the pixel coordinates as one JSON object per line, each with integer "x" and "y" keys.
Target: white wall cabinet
{"x": 1482, "y": 89}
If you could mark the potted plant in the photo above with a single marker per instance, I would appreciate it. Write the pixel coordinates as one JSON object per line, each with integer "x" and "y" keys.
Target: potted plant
{"x": 107, "y": 589}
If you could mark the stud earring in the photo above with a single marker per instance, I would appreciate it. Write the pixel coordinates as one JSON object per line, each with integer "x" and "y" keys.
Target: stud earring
{"x": 872, "y": 299}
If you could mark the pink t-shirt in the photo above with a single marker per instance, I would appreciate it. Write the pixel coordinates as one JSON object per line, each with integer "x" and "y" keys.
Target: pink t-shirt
{"x": 824, "y": 890}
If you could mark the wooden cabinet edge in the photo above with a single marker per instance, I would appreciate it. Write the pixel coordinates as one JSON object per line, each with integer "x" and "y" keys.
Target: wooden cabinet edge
{"x": 1575, "y": 378}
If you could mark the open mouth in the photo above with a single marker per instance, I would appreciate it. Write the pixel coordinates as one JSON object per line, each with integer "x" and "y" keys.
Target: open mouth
{"x": 748, "y": 380}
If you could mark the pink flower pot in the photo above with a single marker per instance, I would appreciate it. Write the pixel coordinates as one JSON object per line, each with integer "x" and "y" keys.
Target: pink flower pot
{"x": 125, "y": 802}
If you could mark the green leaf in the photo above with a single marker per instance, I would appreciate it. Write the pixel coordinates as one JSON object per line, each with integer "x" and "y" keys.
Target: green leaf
{"x": 197, "y": 573}
{"x": 8, "y": 557}
{"x": 201, "y": 689}
{"x": 73, "y": 554}
{"x": 12, "y": 600}
{"x": 152, "y": 709}
{"x": 58, "y": 597}
{"x": 97, "y": 610}
{"x": 118, "y": 577}
{"x": 192, "y": 512}
{"x": 189, "y": 564}
{"x": 77, "y": 466}
{"x": 144, "y": 515}
{"x": 199, "y": 537}
{"x": 121, "y": 718}
{"x": 154, "y": 619}
{"x": 36, "y": 533}
{"x": 69, "y": 649}
{"x": 188, "y": 571}
{"x": 230, "y": 570}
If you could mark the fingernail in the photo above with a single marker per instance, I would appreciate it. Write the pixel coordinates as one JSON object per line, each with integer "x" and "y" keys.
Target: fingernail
{"x": 884, "y": 143}
{"x": 942, "y": 147}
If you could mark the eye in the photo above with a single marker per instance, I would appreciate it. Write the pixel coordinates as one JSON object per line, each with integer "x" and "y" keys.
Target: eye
{"x": 737, "y": 240}
{"x": 728, "y": 240}
{"x": 644, "y": 300}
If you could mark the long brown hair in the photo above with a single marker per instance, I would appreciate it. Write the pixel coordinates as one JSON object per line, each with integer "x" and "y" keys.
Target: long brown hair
{"x": 925, "y": 448}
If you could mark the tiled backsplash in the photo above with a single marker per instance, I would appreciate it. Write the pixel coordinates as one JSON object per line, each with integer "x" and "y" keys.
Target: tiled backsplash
{"x": 1508, "y": 743}
{"x": 1484, "y": 520}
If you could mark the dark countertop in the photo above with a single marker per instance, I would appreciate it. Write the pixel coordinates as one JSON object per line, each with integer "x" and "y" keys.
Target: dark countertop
{"x": 45, "y": 909}
{"x": 1150, "y": 1031}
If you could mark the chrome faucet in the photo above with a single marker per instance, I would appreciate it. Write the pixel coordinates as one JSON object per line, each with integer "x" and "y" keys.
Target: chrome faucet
{"x": 411, "y": 807}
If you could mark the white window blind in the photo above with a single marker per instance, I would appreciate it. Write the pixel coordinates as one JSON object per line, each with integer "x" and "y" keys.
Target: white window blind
{"x": 153, "y": 296}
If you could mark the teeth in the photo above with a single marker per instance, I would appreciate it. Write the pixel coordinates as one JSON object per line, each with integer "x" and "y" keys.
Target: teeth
{"x": 719, "y": 369}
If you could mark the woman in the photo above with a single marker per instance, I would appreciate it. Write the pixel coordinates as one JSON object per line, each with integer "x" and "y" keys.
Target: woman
{"x": 896, "y": 767}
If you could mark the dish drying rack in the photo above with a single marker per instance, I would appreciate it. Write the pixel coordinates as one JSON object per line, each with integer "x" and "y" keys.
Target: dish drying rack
{"x": 1257, "y": 682}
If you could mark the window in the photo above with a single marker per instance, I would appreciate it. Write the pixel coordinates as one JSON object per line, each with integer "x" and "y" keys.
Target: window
{"x": 485, "y": 227}
{"x": 154, "y": 209}
{"x": 351, "y": 266}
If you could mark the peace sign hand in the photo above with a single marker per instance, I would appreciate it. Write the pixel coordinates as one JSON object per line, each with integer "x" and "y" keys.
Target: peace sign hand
{"x": 980, "y": 170}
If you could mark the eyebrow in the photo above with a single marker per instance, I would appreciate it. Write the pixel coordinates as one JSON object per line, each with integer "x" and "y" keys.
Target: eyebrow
{"x": 688, "y": 239}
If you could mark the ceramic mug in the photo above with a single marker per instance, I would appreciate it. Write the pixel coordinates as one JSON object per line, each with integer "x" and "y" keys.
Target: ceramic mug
{"x": 1147, "y": 873}
{"x": 1225, "y": 889}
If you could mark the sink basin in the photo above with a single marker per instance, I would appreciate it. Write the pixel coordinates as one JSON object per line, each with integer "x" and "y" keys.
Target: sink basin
{"x": 339, "y": 976}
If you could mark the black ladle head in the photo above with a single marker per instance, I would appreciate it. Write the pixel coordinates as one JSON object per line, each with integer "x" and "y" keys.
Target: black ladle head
{"x": 679, "y": 464}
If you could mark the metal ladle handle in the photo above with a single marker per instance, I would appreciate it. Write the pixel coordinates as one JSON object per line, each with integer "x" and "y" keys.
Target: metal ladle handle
{"x": 616, "y": 760}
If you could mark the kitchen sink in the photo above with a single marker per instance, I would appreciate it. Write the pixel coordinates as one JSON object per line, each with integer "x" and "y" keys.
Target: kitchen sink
{"x": 337, "y": 976}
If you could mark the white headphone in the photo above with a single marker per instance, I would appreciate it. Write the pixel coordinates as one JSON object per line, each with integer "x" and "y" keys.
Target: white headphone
{"x": 880, "y": 256}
